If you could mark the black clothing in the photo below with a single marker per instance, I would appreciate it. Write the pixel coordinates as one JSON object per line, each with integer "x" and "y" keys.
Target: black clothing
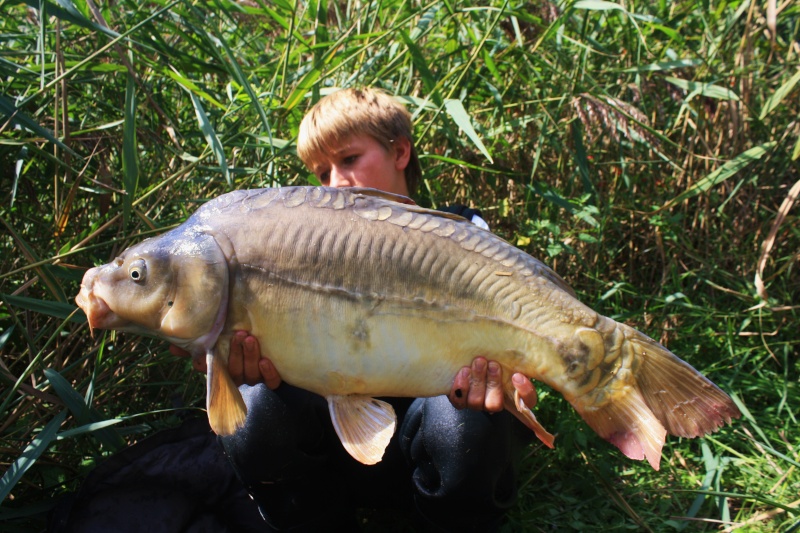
{"x": 451, "y": 469}
{"x": 461, "y": 210}
{"x": 177, "y": 480}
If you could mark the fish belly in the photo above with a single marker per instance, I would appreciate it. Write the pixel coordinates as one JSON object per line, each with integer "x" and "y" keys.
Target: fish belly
{"x": 344, "y": 346}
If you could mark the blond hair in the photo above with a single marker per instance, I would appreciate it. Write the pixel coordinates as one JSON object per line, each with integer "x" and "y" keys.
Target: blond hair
{"x": 357, "y": 112}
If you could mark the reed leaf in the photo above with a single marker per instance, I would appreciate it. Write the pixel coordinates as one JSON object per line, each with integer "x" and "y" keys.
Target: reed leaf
{"x": 83, "y": 413}
{"x": 727, "y": 170}
{"x": 30, "y": 455}
{"x": 130, "y": 150}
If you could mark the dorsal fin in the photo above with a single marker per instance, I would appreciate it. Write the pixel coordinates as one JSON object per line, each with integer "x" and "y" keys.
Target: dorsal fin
{"x": 408, "y": 203}
{"x": 367, "y": 191}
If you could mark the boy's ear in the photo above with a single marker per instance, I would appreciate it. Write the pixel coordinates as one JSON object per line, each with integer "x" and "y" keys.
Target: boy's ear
{"x": 402, "y": 153}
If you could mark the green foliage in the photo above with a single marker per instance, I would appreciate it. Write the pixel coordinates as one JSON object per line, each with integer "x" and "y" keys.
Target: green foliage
{"x": 645, "y": 151}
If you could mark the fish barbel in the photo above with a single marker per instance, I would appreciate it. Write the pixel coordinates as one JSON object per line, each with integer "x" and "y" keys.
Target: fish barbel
{"x": 355, "y": 293}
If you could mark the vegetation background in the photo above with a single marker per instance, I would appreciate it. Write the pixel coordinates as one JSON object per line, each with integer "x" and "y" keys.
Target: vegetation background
{"x": 648, "y": 151}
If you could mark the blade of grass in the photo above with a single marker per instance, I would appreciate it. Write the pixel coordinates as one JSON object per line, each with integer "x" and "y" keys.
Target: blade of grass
{"x": 704, "y": 89}
{"x": 748, "y": 497}
{"x": 666, "y": 65}
{"x": 418, "y": 60}
{"x": 130, "y": 149}
{"x": 211, "y": 138}
{"x": 53, "y": 287}
{"x": 598, "y": 5}
{"x": 88, "y": 428}
{"x": 16, "y": 116}
{"x": 240, "y": 77}
{"x": 60, "y": 310}
{"x": 30, "y": 455}
{"x": 82, "y": 412}
{"x": 777, "y": 97}
{"x": 460, "y": 116}
{"x": 66, "y": 10}
{"x": 730, "y": 168}
{"x": 6, "y": 334}
{"x": 581, "y": 159}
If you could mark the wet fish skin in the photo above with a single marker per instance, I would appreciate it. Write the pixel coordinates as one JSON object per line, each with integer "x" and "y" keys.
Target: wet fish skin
{"x": 354, "y": 294}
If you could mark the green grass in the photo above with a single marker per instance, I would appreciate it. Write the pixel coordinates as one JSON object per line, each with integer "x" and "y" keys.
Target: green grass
{"x": 647, "y": 151}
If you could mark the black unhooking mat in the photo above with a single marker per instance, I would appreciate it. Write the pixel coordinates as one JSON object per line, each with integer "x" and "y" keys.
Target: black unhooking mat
{"x": 177, "y": 480}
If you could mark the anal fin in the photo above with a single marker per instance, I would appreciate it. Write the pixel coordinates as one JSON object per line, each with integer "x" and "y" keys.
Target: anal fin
{"x": 226, "y": 408}
{"x": 364, "y": 425}
{"x": 514, "y": 404}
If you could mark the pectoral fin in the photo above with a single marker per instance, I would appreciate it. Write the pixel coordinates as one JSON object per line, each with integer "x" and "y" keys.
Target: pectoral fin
{"x": 226, "y": 408}
{"x": 518, "y": 408}
{"x": 364, "y": 425}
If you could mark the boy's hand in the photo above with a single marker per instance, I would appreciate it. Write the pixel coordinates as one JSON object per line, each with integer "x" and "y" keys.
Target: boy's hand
{"x": 480, "y": 387}
{"x": 198, "y": 364}
{"x": 245, "y": 364}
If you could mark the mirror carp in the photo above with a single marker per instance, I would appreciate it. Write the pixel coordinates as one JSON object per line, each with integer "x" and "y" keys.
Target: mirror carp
{"x": 356, "y": 293}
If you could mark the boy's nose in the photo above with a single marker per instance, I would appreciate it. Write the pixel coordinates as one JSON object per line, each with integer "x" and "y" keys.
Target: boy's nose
{"x": 340, "y": 179}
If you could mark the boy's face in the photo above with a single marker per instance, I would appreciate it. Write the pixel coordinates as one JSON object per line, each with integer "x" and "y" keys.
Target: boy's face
{"x": 361, "y": 161}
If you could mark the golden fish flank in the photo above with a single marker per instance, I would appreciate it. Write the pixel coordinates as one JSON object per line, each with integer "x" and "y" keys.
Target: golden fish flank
{"x": 355, "y": 293}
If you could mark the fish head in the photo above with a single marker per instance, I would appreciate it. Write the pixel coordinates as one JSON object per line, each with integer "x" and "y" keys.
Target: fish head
{"x": 173, "y": 287}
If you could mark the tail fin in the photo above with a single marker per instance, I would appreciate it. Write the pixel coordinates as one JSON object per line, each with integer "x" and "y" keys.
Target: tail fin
{"x": 658, "y": 394}
{"x": 685, "y": 401}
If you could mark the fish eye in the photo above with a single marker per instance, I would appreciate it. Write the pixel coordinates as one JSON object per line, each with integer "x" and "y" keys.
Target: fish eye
{"x": 138, "y": 270}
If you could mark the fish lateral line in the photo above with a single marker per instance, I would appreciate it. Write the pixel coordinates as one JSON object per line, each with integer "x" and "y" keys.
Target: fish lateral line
{"x": 406, "y": 303}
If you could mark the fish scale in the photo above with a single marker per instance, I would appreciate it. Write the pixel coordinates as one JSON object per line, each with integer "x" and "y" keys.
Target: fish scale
{"x": 355, "y": 293}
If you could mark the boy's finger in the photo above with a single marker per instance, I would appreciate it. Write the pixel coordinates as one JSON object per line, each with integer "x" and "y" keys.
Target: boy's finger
{"x": 269, "y": 373}
{"x": 526, "y": 389}
{"x": 493, "y": 401}
{"x": 178, "y": 352}
{"x": 199, "y": 364}
{"x": 236, "y": 358}
{"x": 458, "y": 392}
{"x": 477, "y": 384}
{"x": 251, "y": 356}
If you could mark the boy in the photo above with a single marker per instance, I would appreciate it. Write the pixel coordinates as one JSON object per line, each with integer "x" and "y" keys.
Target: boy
{"x": 452, "y": 469}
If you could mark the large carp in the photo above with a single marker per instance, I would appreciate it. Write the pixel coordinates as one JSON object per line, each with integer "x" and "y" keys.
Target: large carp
{"x": 354, "y": 293}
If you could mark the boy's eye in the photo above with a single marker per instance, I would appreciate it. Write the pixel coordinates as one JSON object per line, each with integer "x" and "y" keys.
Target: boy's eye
{"x": 350, "y": 159}
{"x": 324, "y": 177}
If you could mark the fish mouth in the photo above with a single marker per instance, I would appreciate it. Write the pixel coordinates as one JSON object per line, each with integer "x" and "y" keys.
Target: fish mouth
{"x": 98, "y": 313}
